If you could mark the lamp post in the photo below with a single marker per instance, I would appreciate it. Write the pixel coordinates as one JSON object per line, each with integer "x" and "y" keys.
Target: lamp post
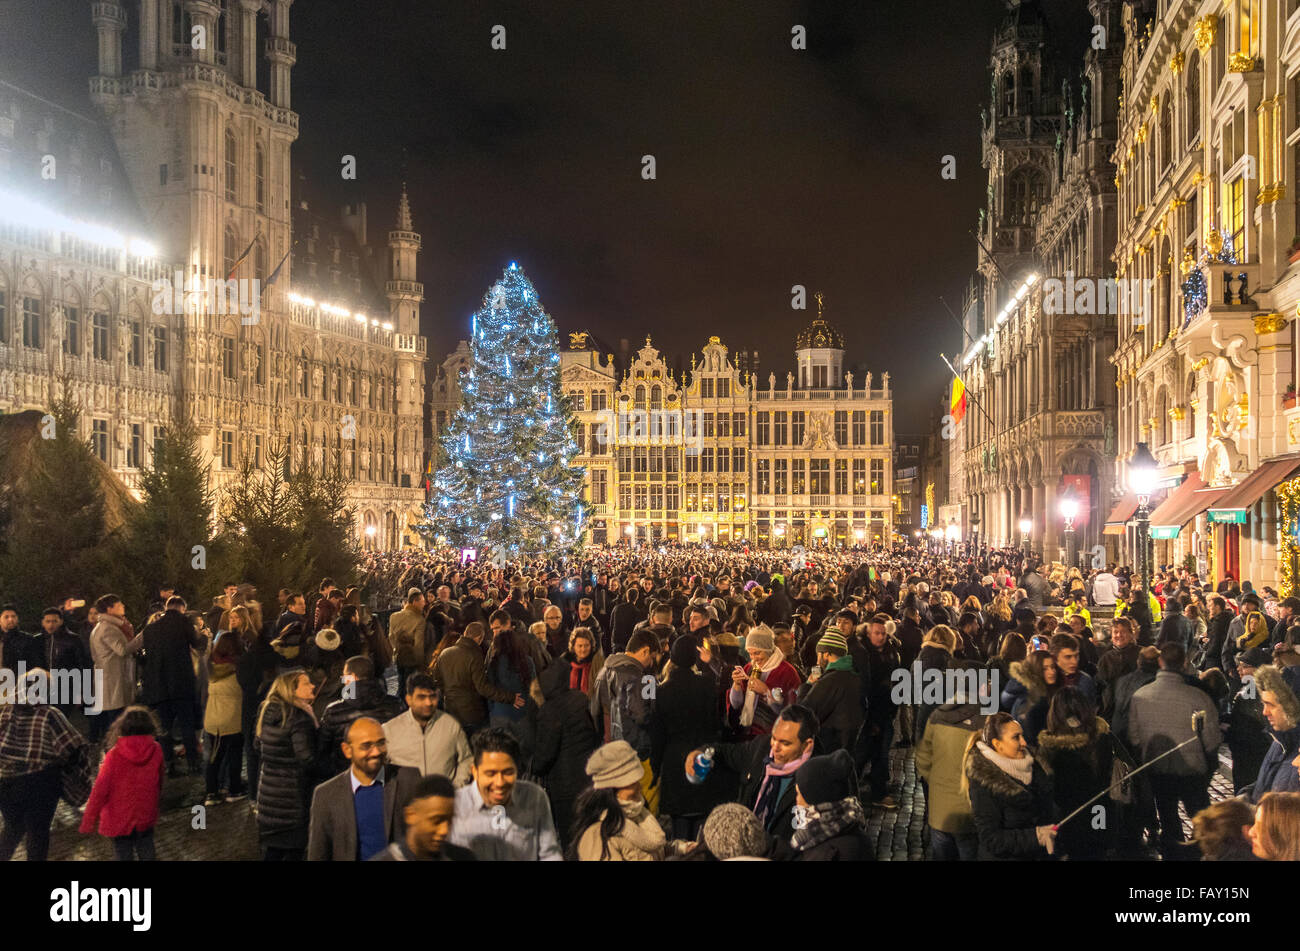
{"x": 974, "y": 535}
{"x": 1142, "y": 480}
{"x": 1026, "y": 526}
{"x": 1070, "y": 509}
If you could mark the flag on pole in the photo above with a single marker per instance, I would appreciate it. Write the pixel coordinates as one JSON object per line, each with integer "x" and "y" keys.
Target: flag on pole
{"x": 276, "y": 273}
{"x": 958, "y": 405}
{"x": 240, "y": 260}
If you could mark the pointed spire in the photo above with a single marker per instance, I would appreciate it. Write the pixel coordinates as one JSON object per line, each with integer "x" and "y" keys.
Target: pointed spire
{"x": 404, "y": 212}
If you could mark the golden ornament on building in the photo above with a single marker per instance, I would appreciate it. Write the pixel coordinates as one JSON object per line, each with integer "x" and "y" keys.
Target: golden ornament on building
{"x": 1241, "y": 63}
{"x": 1213, "y": 241}
{"x": 1177, "y": 413}
{"x": 1269, "y": 323}
{"x": 1143, "y": 130}
{"x": 1188, "y": 262}
{"x": 1205, "y": 29}
{"x": 1177, "y": 202}
{"x": 1198, "y": 178}
{"x": 1200, "y": 364}
{"x": 1176, "y": 62}
{"x": 1155, "y": 104}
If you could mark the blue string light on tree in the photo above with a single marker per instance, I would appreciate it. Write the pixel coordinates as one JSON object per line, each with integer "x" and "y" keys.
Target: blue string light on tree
{"x": 511, "y": 329}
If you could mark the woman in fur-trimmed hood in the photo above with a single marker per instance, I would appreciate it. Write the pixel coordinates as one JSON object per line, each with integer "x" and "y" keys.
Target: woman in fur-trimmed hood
{"x": 1278, "y": 690}
{"x": 1034, "y": 681}
{"x": 1010, "y": 793}
{"x": 1080, "y": 750}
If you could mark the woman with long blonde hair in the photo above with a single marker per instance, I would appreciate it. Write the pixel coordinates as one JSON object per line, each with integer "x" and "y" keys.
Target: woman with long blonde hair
{"x": 286, "y": 734}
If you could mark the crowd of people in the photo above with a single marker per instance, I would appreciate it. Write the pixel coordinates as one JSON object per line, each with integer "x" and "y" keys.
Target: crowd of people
{"x": 677, "y": 703}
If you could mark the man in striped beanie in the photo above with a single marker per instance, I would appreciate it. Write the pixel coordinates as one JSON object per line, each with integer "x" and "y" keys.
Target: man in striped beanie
{"x": 835, "y": 694}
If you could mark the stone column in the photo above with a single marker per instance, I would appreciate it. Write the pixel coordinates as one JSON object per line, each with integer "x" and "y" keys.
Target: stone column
{"x": 148, "y": 34}
{"x": 110, "y": 23}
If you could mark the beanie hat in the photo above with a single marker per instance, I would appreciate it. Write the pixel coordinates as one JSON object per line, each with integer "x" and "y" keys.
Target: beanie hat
{"x": 1255, "y": 657}
{"x": 685, "y": 651}
{"x": 760, "y": 638}
{"x": 827, "y": 778}
{"x": 614, "y": 766}
{"x": 803, "y": 611}
{"x": 327, "y": 639}
{"x": 834, "y": 642}
{"x": 733, "y": 831}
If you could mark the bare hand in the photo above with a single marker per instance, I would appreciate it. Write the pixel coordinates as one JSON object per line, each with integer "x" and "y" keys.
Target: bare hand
{"x": 1047, "y": 838}
{"x": 759, "y": 687}
{"x": 690, "y": 763}
{"x": 706, "y": 655}
{"x": 519, "y": 701}
{"x": 738, "y": 677}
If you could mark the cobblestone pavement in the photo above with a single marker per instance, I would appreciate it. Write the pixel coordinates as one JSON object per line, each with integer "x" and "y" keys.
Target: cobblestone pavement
{"x": 228, "y": 832}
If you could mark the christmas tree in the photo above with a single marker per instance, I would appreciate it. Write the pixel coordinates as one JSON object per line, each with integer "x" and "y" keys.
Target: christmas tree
{"x": 508, "y": 481}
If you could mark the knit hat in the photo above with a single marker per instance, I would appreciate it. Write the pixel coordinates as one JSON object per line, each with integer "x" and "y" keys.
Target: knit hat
{"x": 614, "y": 766}
{"x": 733, "y": 831}
{"x": 751, "y": 585}
{"x": 327, "y": 639}
{"x": 827, "y": 778}
{"x": 1255, "y": 657}
{"x": 834, "y": 642}
{"x": 760, "y": 638}
{"x": 803, "y": 611}
{"x": 685, "y": 651}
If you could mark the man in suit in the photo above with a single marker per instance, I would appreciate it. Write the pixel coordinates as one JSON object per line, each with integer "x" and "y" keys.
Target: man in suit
{"x": 360, "y": 812}
{"x": 167, "y": 680}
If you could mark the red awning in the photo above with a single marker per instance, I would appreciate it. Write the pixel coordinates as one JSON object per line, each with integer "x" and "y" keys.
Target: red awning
{"x": 1252, "y": 488}
{"x": 1186, "y": 502}
{"x": 1123, "y": 510}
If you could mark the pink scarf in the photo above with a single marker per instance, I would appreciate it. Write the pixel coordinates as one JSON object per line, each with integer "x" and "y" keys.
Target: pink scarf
{"x": 772, "y": 769}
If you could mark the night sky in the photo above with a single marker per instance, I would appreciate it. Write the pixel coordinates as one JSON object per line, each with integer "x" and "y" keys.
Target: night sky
{"x": 775, "y": 167}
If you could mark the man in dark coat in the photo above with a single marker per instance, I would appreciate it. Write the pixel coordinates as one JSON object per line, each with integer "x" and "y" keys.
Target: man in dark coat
{"x": 686, "y": 718}
{"x": 1036, "y": 588}
{"x": 168, "y": 682}
{"x": 351, "y": 820}
{"x": 566, "y": 737}
{"x": 836, "y": 695}
{"x": 362, "y": 695}
{"x": 766, "y": 766}
{"x": 461, "y": 675}
{"x": 1121, "y": 659}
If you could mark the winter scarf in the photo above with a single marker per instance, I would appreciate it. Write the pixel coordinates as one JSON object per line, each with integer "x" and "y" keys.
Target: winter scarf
{"x": 827, "y": 820}
{"x": 580, "y": 675}
{"x": 1021, "y": 770}
{"x": 842, "y": 663}
{"x": 768, "y": 791}
{"x": 751, "y": 698}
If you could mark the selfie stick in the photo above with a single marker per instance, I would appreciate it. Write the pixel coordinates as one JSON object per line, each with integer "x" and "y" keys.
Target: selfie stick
{"x": 1198, "y": 720}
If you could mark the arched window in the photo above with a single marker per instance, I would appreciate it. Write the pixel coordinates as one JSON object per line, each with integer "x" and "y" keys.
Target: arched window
{"x": 656, "y": 397}
{"x": 640, "y": 397}
{"x": 230, "y": 250}
{"x": 1026, "y": 192}
{"x": 1193, "y": 97}
{"x": 1166, "y": 146}
{"x": 232, "y": 165}
{"x": 259, "y": 171}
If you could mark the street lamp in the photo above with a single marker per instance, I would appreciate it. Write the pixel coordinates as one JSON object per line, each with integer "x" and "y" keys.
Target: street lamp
{"x": 370, "y": 535}
{"x": 1069, "y": 509}
{"x": 1142, "y": 480}
{"x": 1026, "y": 526}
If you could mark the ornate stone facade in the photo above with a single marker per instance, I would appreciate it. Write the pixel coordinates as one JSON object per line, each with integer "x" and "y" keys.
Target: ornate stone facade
{"x": 323, "y": 352}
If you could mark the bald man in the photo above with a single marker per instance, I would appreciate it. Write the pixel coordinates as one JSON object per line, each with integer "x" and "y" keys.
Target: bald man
{"x": 360, "y": 812}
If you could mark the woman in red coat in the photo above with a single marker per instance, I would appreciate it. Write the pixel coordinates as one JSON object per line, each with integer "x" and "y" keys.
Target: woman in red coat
{"x": 764, "y": 687}
{"x": 125, "y": 797}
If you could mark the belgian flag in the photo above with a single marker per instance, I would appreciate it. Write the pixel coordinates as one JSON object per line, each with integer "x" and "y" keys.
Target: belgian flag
{"x": 958, "y": 406}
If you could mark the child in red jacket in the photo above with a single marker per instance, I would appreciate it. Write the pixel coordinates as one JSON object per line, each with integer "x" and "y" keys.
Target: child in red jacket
{"x": 125, "y": 797}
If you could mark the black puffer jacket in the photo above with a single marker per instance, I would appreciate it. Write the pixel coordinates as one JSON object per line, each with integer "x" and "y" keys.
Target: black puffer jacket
{"x": 685, "y": 719}
{"x": 1006, "y": 812}
{"x": 566, "y": 736}
{"x": 370, "y": 701}
{"x": 1081, "y": 767}
{"x": 288, "y": 776}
